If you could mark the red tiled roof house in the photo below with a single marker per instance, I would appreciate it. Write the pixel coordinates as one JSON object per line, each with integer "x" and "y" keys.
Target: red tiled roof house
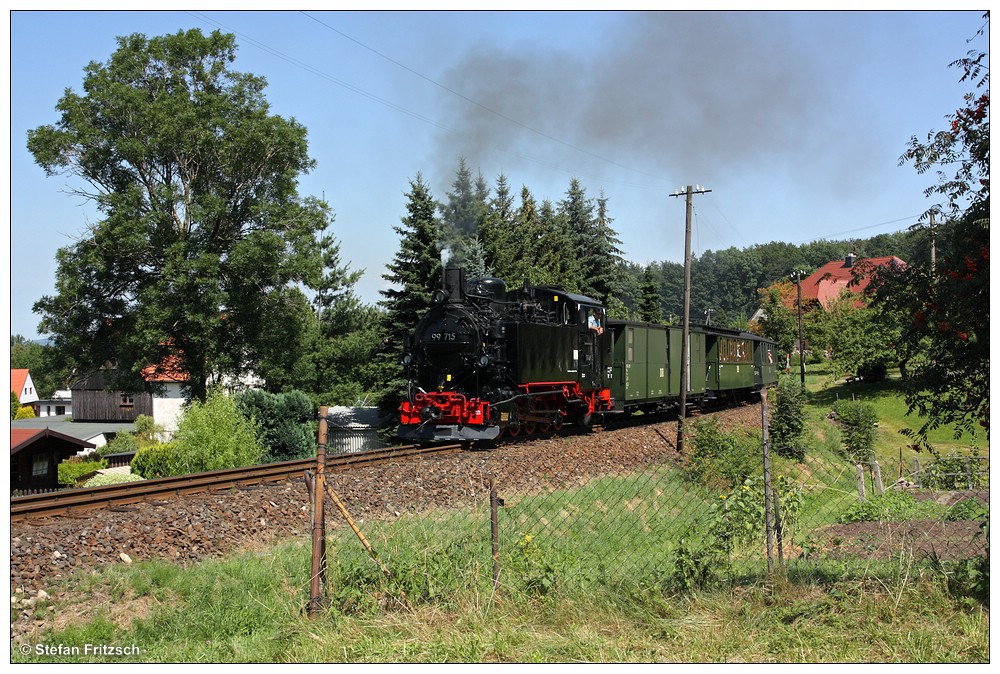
{"x": 827, "y": 283}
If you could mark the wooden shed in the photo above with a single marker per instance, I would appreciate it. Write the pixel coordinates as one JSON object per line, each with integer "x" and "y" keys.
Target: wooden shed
{"x": 35, "y": 454}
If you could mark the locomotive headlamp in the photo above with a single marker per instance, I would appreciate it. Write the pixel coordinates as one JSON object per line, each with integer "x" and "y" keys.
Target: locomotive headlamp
{"x": 484, "y": 360}
{"x": 439, "y": 296}
{"x": 407, "y": 359}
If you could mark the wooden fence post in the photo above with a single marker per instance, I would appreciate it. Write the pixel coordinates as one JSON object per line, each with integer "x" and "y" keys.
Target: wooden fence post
{"x": 877, "y": 470}
{"x": 318, "y": 578}
{"x": 768, "y": 514}
{"x": 495, "y": 534}
{"x": 861, "y": 480}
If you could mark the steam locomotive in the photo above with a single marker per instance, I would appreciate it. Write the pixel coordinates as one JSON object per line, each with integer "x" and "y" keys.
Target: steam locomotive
{"x": 486, "y": 362}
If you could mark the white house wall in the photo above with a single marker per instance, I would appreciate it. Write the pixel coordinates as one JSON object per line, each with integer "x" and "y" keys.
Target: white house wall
{"x": 168, "y": 407}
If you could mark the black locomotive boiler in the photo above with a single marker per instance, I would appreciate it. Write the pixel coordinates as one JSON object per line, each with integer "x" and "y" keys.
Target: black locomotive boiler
{"x": 485, "y": 362}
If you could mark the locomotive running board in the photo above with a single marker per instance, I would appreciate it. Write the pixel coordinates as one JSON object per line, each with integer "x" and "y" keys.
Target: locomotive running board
{"x": 450, "y": 432}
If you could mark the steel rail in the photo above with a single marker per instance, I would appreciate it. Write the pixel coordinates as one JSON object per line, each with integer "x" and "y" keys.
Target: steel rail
{"x": 77, "y": 500}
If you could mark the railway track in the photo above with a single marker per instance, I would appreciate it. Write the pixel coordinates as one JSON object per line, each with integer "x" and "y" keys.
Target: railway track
{"x": 78, "y": 500}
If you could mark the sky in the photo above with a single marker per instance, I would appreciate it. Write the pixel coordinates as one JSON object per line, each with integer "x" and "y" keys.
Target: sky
{"x": 794, "y": 120}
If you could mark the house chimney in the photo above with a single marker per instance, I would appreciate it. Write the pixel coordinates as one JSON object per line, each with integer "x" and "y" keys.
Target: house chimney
{"x": 849, "y": 260}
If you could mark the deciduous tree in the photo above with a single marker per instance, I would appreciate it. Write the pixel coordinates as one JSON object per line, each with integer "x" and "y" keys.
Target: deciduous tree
{"x": 204, "y": 242}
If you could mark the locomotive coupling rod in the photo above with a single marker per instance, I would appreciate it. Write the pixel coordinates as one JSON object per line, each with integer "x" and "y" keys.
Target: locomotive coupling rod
{"x": 522, "y": 395}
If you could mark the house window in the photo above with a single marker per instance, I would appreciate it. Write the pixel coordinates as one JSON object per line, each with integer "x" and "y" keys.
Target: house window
{"x": 40, "y": 465}
{"x": 127, "y": 399}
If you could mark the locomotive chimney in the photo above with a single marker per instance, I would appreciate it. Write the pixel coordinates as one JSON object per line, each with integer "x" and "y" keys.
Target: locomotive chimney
{"x": 454, "y": 283}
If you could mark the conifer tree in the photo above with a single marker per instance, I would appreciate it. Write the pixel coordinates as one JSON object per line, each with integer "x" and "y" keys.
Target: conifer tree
{"x": 495, "y": 232}
{"x": 463, "y": 213}
{"x": 650, "y": 307}
{"x": 415, "y": 272}
{"x": 557, "y": 262}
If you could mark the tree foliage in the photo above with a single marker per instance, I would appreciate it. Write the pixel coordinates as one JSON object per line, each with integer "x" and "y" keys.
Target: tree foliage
{"x": 860, "y": 340}
{"x": 650, "y": 307}
{"x": 204, "y": 244}
{"x": 779, "y": 322}
{"x": 858, "y": 421}
{"x": 48, "y": 370}
{"x": 944, "y": 309}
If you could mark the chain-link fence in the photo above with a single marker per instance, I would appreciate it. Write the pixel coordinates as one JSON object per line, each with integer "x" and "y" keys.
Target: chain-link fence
{"x": 632, "y": 516}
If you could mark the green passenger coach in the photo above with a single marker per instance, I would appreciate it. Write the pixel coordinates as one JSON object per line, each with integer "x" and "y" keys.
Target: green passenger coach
{"x": 645, "y": 370}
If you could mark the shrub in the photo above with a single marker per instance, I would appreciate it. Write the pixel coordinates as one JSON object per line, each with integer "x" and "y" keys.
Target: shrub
{"x": 967, "y": 509}
{"x": 154, "y": 461}
{"x": 955, "y": 472}
{"x": 25, "y": 413}
{"x": 857, "y": 420}
{"x": 71, "y": 470}
{"x": 787, "y": 423}
{"x": 214, "y": 435}
{"x": 147, "y": 433}
{"x": 720, "y": 459}
{"x": 285, "y": 421}
{"x": 739, "y": 518}
{"x": 15, "y": 405}
{"x": 122, "y": 442}
{"x": 892, "y": 505}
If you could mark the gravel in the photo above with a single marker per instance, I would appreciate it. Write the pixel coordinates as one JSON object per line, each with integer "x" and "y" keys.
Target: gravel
{"x": 185, "y": 530}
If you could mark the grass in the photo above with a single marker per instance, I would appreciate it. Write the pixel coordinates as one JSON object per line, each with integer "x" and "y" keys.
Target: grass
{"x": 250, "y": 609}
{"x": 891, "y": 446}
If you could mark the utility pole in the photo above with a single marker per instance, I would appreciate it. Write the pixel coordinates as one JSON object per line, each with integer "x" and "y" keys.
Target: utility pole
{"x": 802, "y": 361}
{"x": 686, "y": 317}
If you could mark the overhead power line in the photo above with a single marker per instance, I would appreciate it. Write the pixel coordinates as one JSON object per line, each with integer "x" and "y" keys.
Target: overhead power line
{"x": 862, "y": 229}
{"x": 480, "y": 105}
{"x": 320, "y": 73}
